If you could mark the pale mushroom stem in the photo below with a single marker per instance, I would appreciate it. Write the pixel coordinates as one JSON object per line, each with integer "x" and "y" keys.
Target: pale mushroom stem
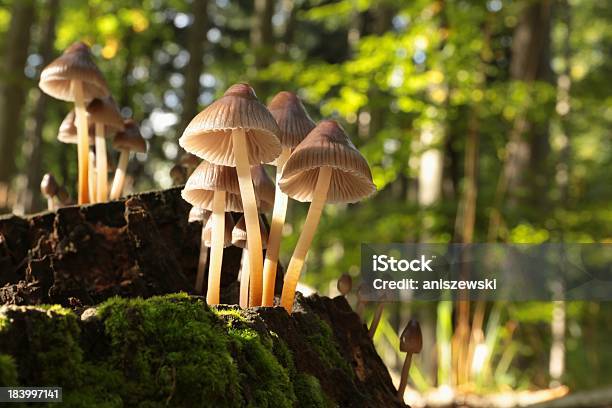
{"x": 251, "y": 215}
{"x": 202, "y": 261}
{"x": 82, "y": 141}
{"x": 101, "y": 165}
{"x": 376, "y": 319}
{"x": 303, "y": 245}
{"x": 404, "y": 378}
{"x": 276, "y": 231}
{"x": 216, "y": 248}
{"x": 50, "y": 204}
{"x": 119, "y": 179}
{"x": 244, "y": 279}
{"x": 91, "y": 176}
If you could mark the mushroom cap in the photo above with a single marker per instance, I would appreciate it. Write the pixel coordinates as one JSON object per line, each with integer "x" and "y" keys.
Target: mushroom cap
{"x": 345, "y": 284}
{"x": 292, "y": 118}
{"x": 209, "y": 134}
{"x": 198, "y": 214}
{"x": 227, "y": 237}
{"x": 264, "y": 188}
{"x": 178, "y": 174}
{"x": 239, "y": 233}
{"x": 62, "y": 195}
{"x": 327, "y": 145}
{"x": 68, "y": 132}
{"x": 130, "y": 138}
{"x": 411, "y": 339}
{"x": 106, "y": 112}
{"x": 191, "y": 161}
{"x": 48, "y": 185}
{"x": 76, "y": 63}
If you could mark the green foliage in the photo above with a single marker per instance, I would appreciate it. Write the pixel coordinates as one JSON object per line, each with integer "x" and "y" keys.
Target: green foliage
{"x": 8, "y": 371}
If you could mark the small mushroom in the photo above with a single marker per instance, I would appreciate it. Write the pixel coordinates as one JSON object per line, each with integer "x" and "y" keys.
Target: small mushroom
{"x": 178, "y": 174}
{"x": 239, "y": 239}
{"x": 377, "y": 317}
{"x": 294, "y": 124}
{"x": 214, "y": 188}
{"x": 197, "y": 214}
{"x": 411, "y": 342}
{"x": 325, "y": 167}
{"x": 103, "y": 112}
{"x": 238, "y": 131}
{"x": 49, "y": 188}
{"x": 126, "y": 141}
{"x": 361, "y": 300}
{"x": 345, "y": 284}
{"x": 74, "y": 77}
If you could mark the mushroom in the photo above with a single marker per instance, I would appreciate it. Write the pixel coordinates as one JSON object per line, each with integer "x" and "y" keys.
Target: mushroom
{"x": 325, "y": 167}
{"x": 411, "y": 342}
{"x": 126, "y": 141}
{"x": 239, "y": 239}
{"x": 238, "y": 131}
{"x": 345, "y": 284}
{"x": 377, "y": 316}
{"x": 189, "y": 162}
{"x": 74, "y": 77}
{"x": 197, "y": 214}
{"x": 63, "y": 196}
{"x": 214, "y": 188}
{"x": 91, "y": 176}
{"x": 103, "y": 112}
{"x": 361, "y": 301}
{"x": 207, "y": 242}
{"x": 49, "y": 188}
{"x": 178, "y": 174}
{"x": 294, "y": 124}
{"x": 264, "y": 188}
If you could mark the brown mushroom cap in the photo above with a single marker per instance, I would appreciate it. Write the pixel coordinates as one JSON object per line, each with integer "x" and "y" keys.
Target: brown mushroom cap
{"x": 327, "y": 146}
{"x": 190, "y": 161}
{"x": 292, "y": 118}
{"x": 264, "y": 188}
{"x": 198, "y": 214}
{"x": 227, "y": 238}
{"x": 345, "y": 284}
{"x": 239, "y": 233}
{"x": 411, "y": 339}
{"x": 105, "y": 111}
{"x": 68, "y": 132}
{"x": 208, "y": 178}
{"x": 76, "y": 63}
{"x": 49, "y": 186}
{"x": 209, "y": 134}
{"x": 130, "y": 138}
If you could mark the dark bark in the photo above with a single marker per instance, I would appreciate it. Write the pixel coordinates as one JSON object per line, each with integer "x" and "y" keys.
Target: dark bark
{"x": 195, "y": 45}
{"x": 31, "y": 196}
{"x": 13, "y": 86}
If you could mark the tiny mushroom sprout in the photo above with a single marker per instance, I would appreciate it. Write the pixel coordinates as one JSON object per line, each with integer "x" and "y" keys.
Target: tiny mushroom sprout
{"x": 126, "y": 141}
{"x": 49, "y": 188}
{"x": 325, "y": 167}
{"x": 238, "y": 131}
{"x": 411, "y": 342}
{"x": 74, "y": 77}
{"x": 294, "y": 124}
{"x": 103, "y": 112}
{"x": 239, "y": 239}
{"x": 214, "y": 188}
{"x": 345, "y": 284}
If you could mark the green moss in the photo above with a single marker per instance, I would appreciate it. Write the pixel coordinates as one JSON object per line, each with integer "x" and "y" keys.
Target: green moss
{"x": 320, "y": 337}
{"x": 308, "y": 392}
{"x": 8, "y": 371}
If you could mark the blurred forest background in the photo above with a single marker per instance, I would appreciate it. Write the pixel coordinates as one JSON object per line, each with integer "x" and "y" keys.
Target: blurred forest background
{"x": 483, "y": 121}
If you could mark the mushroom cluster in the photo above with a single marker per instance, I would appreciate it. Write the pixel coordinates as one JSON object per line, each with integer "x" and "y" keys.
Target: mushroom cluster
{"x": 234, "y": 136}
{"x": 74, "y": 77}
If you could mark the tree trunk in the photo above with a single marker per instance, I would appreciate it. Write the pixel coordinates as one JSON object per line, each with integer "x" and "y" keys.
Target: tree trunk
{"x": 262, "y": 38}
{"x": 13, "y": 87}
{"x": 31, "y": 196}
{"x": 195, "y": 45}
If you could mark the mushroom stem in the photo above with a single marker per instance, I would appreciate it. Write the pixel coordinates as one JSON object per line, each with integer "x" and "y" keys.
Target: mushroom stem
{"x": 82, "y": 141}
{"x": 376, "y": 320}
{"x": 101, "y": 165}
{"x": 119, "y": 179}
{"x": 216, "y": 248}
{"x": 251, "y": 215}
{"x": 244, "y": 279}
{"x": 276, "y": 231}
{"x": 91, "y": 176}
{"x": 202, "y": 261}
{"x": 303, "y": 245}
{"x": 50, "y": 203}
{"x": 404, "y": 378}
